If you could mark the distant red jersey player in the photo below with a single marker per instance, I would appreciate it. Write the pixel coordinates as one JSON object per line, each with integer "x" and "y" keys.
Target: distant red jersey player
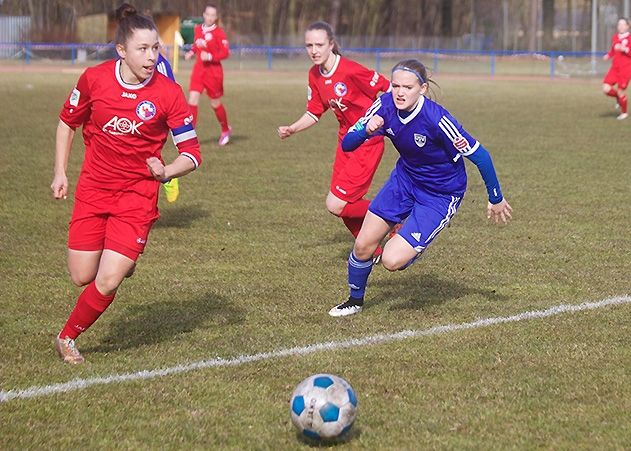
{"x": 347, "y": 88}
{"x": 620, "y": 72}
{"x": 210, "y": 47}
{"x": 127, "y": 110}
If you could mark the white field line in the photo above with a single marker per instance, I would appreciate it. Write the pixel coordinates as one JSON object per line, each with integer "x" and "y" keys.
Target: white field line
{"x": 78, "y": 384}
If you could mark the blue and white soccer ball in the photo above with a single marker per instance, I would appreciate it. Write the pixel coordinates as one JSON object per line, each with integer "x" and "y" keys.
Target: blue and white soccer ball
{"x": 323, "y": 407}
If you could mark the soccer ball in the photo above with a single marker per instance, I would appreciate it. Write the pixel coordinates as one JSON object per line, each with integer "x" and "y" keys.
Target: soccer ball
{"x": 323, "y": 407}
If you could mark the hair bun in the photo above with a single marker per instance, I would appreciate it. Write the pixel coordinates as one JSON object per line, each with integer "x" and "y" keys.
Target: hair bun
{"x": 125, "y": 10}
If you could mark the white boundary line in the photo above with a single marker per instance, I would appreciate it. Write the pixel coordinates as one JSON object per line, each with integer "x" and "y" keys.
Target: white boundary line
{"x": 78, "y": 384}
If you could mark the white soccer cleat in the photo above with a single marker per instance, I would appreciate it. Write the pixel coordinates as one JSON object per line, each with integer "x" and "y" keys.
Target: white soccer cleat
{"x": 68, "y": 351}
{"x": 622, "y": 116}
{"x": 347, "y": 308}
{"x": 225, "y": 137}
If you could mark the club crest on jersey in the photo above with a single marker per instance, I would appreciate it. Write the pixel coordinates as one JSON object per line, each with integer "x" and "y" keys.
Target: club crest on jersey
{"x": 146, "y": 110}
{"x": 340, "y": 89}
{"x": 208, "y": 36}
{"x": 420, "y": 140}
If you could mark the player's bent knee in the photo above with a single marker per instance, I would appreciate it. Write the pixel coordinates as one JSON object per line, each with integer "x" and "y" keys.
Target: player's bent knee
{"x": 81, "y": 279}
{"x": 131, "y": 272}
{"x": 390, "y": 263}
{"x": 364, "y": 250}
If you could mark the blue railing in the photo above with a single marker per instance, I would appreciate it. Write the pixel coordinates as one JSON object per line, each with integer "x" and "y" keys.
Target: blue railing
{"x": 26, "y": 50}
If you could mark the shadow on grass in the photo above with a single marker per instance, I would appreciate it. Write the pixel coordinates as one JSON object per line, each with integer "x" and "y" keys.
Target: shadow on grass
{"x": 353, "y": 434}
{"x": 179, "y": 216}
{"x": 422, "y": 290}
{"x": 162, "y": 320}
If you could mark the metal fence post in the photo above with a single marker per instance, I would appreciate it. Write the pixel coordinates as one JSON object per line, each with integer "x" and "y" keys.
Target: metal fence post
{"x": 552, "y": 64}
{"x": 269, "y": 58}
{"x": 492, "y": 64}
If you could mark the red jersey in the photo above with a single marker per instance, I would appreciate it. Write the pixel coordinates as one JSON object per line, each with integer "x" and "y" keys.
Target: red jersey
{"x": 125, "y": 124}
{"x": 621, "y": 57}
{"x": 210, "y": 39}
{"x": 349, "y": 89}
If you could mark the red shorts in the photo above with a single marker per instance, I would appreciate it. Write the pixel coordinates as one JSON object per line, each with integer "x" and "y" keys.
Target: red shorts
{"x": 618, "y": 76}
{"x": 353, "y": 171}
{"x": 115, "y": 220}
{"x": 209, "y": 77}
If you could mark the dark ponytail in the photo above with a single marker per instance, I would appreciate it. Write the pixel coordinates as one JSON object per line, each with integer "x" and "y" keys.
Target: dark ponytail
{"x": 128, "y": 21}
{"x": 321, "y": 25}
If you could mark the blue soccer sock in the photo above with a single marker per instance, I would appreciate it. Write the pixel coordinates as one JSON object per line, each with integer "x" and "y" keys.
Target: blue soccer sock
{"x": 358, "y": 272}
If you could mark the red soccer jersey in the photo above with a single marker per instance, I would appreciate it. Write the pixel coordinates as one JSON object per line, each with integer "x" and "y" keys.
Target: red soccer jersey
{"x": 125, "y": 124}
{"x": 621, "y": 56}
{"x": 212, "y": 40}
{"x": 349, "y": 89}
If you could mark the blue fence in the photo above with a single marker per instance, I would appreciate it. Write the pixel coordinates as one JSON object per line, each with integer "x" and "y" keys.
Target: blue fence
{"x": 552, "y": 64}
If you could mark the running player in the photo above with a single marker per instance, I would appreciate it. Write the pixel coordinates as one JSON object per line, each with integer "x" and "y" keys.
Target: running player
{"x": 347, "y": 88}
{"x": 210, "y": 45}
{"x": 127, "y": 111}
{"x": 427, "y": 184}
{"x": 620, "y": 71}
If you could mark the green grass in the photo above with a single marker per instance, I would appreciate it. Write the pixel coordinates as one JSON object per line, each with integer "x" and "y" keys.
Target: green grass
{"x": 249, "y": 261}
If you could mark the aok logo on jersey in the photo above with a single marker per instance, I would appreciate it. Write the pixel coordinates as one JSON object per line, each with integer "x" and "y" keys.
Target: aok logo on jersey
{"x": 122, "y": 126}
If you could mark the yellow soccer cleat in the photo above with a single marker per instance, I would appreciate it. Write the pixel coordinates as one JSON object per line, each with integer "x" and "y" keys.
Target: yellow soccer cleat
{"x": 172, "y": 189}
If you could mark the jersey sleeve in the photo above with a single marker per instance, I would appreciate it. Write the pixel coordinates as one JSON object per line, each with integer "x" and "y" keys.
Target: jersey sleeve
{"x": 221, "y": 48}
{"x": 315, "y": 106}
{"x": 456, "y": 140}
{"x": 78, "y": 106}
{"x": 370, "y": 82}
{"x": 377, "y": 108}
{"x": 164, "y": 67}
{"x": 180, "y": 121}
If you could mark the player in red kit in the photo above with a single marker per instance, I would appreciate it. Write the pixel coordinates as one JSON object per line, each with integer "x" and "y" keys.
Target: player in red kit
{"x": 127, "y": 110}
{"x": 347, "y": 88}
{"x": 210, "y": 46}
{"x": 620, "y": 71}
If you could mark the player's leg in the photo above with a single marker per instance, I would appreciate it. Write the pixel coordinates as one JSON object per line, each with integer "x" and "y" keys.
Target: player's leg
{"x": 360, "y": 263}
{"x": 611, "y": 78}
{"x": 431, "y": 214}
{"x": 193, "y": 104}
{"x": 86, "y": 236}
{"x": 391, "y": 205}
{"x": 350, "y": 182}
{"x": 622, "y": 97}
{"x": 214, "y": 88}
{"x": 124, "y": 241}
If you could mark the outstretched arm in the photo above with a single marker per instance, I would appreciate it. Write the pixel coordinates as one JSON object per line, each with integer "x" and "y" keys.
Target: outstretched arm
{"x": 63, "y": 144}
{"x": 304, "y": 122}
{"x": 498, "y": 208}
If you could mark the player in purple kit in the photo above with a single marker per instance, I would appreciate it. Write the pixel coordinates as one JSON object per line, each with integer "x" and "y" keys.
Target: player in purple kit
{"x": 427, "y": 184}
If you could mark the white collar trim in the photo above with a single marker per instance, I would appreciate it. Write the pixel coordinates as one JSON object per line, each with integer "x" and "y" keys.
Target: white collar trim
{"x": 333, "y": 69}
{"x": 414, "y": 113}
{"x": 209, "y": 27}
{"x": 126, "y": 85}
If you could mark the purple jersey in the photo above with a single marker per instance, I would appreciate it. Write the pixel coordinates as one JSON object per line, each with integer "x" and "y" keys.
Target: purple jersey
{"x": 430, "y": 141}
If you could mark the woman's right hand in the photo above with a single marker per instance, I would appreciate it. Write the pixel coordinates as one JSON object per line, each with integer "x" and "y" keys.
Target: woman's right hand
{"x": 59, "y": 186}
{"x": 188, "y": 55}
{"x": 374, "y": 124}
{"x": 285, "y": 131}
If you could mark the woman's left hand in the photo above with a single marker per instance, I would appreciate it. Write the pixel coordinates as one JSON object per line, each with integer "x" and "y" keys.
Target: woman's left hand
{"x": 499, "y": 212}
{"x": 156, "y": 168}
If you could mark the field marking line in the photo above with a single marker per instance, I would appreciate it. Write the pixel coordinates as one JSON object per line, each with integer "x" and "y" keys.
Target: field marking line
{"x": 78, "y": 384}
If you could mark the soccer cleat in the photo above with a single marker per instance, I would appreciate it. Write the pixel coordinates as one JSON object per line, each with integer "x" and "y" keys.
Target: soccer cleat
{"x": 622, "y": 116}
{"x": 68, "y": 351}
{"x": 172, "y": 189}
{"x": 224, "y": 138}
{"x": 347, "y": 308}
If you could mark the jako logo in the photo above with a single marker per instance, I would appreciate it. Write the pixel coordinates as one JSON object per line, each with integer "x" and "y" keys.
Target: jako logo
{"x": 128, "y": 95}
{"x": 122, "y": 126}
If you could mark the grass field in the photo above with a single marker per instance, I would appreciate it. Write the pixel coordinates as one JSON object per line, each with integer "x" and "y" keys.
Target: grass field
{"x": 248, "y": 261}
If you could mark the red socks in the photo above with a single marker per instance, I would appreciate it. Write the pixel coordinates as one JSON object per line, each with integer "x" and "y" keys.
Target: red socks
{"x": 353, "y": 215}
{"x": 194, "y": 110}
{"x": 222, "y": 117}
{"x": 622, "y": 101}
{"x": 90, "y": 305}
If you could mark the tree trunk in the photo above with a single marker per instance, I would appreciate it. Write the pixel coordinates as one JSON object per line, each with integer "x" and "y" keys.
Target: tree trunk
{"x": 548, "y": 24}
